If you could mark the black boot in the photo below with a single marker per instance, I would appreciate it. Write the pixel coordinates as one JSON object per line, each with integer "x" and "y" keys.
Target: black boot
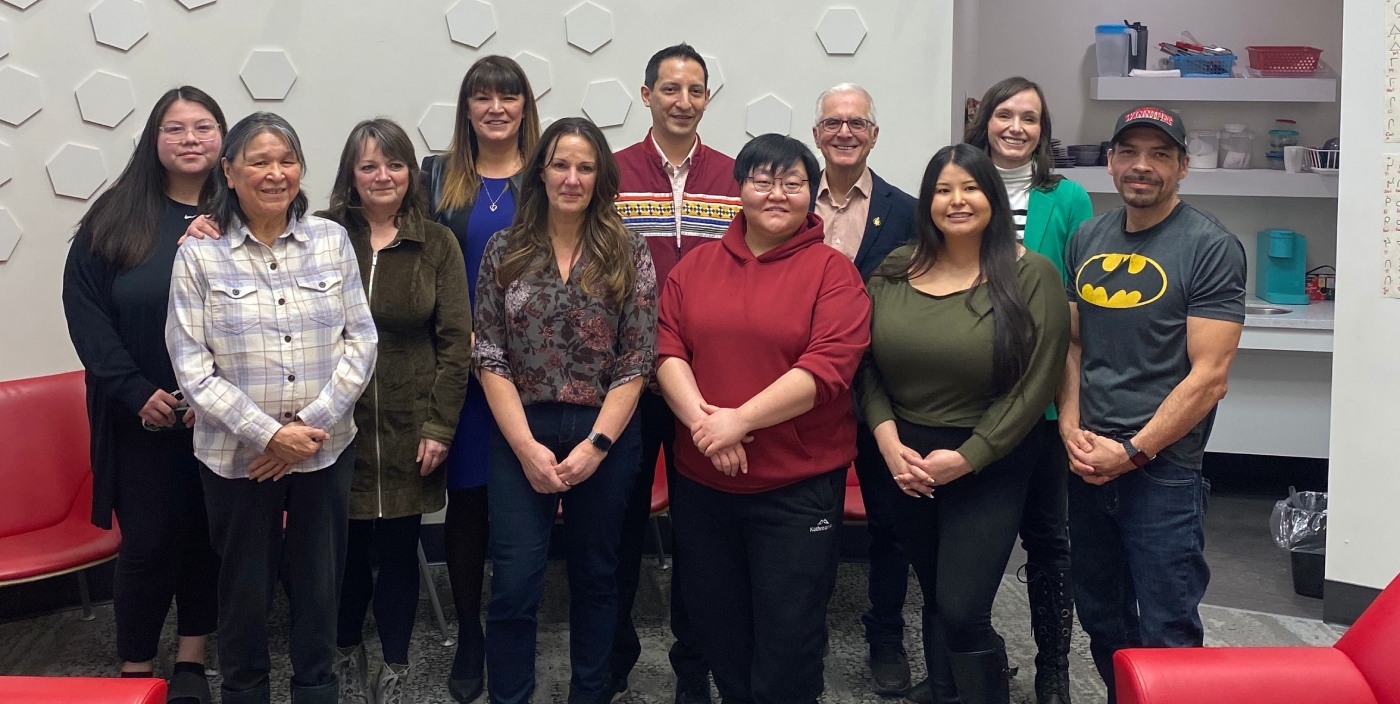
{"x": 1051, "y": 597}
{"x": 982, "y": 676}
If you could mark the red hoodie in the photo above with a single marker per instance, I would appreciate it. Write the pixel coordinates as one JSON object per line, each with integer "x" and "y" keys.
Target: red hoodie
{"x": 742, "y": 321}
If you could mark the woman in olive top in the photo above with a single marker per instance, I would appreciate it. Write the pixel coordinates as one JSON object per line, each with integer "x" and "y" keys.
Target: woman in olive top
{"x": 968, "y": 339}
{"x": 1012, "y": 126}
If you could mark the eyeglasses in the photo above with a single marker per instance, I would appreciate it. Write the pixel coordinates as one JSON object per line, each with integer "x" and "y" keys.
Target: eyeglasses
{"x": 858, "y": 125}
{"x": 790, "y": 186}
{"x": 204, "y": 132}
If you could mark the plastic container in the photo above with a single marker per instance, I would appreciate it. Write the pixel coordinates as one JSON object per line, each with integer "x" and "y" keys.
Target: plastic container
{"x": 1284, "y": 134}
{"x": 1112, "y": 47}
{"x": 1203, "y": 146}
{"x": 1205, "y": 66}
{"x": 1284, "y": 60}
{"x": 1236, "y": 145}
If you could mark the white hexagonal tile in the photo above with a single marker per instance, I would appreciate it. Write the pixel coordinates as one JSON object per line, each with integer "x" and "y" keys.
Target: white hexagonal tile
{"x": 841, "y": 31}
{"x": 119, "y": 23}
{"x": 5, "y": 41}
{"x": 716, "y": 74}
{"x": 537, "y": 70}
{"x": 471, "y": 22}
{"x": 194, "y": 4}
{"x": 77, "y": 171}
{"x": 9, "y": 234}
{"x": 768, "y": 114}
{"x": 588, "y": 27}
{"x": 7, "y": 163}
{"x": 436, "y": 126}
{"x": 23, "y": 95}
{"x": 105, "y": 99}
{"x": 606, "y": 103}
{"x": 268, "y": 74}
{"x": 21, "y": 4}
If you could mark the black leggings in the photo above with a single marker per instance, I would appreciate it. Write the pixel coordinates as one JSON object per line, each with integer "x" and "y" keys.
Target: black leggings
{"x": 392, "y": 544}
{"x": 465, "y": 534}
{"x": 959, "y": 541}
{"x": 1045, "y": 520}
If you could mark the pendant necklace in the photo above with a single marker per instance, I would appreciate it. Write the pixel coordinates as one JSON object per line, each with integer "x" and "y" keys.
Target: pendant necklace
{"x": 496, "y": 199}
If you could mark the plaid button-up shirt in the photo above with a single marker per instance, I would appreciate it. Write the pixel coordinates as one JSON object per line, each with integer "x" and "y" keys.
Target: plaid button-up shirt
{"x": 263, "y": 335}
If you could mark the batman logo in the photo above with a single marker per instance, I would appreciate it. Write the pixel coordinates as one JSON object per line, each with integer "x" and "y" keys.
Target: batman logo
{"x": 1134, "y": 279}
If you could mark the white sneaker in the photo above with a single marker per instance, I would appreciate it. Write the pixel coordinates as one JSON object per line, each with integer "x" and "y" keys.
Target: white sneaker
{"x": 389, "y": 687}
{"x": 351, "y": 670}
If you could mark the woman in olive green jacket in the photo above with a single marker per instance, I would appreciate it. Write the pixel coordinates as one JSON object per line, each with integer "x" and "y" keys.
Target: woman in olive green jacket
{"x": 416, "y": 283}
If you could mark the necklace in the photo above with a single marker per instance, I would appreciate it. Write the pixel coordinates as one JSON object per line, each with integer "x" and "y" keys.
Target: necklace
{"x": 494, "y": 199}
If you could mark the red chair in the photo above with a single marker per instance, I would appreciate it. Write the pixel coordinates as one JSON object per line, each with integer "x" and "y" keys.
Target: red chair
{"x": 1362, "y": 668}
{"x": 46, "y": 504}
{"x": 854, "y": 511}
{"x": 82, "y": 690}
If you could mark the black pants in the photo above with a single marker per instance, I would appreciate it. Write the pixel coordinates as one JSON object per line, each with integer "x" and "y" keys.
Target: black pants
{"x": 959, "y": 541}
{"x": 888, "y": 580}
{"x": 466, "y": 531}
{"x": 245, "y": 522}
{"x": 165, "y": 551}
{"x": 1045, "y": 518}
{"x": 392, "y": 544}
{"x": 758, "y": 573}
{"x": 658, "y": 435}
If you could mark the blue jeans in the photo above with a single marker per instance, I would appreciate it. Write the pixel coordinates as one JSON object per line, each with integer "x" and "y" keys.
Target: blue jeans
{"x": 1137, "y": 544}
{"x": 521, "y": 519}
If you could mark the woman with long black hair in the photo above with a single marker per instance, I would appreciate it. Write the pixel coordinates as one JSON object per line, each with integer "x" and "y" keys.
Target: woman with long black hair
{"x": 968, "y": 339}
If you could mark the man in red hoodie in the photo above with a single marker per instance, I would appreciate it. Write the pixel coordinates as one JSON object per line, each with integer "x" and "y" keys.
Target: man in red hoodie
{"x": 679, "y": 194}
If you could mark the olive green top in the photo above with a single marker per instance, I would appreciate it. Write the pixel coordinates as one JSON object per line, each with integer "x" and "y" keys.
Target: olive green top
{"x": 930, "y": 358}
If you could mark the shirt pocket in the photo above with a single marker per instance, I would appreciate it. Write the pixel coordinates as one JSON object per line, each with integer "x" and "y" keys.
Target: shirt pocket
{"x": 233, "y": 305}
{"x": 321, "y": 297}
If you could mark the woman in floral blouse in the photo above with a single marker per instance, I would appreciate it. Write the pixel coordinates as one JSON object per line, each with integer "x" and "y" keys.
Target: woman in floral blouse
{"x": 566, "y": 314}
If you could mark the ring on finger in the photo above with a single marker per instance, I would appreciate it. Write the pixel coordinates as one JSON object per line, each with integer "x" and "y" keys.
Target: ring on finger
{"x": 566, "y": 483}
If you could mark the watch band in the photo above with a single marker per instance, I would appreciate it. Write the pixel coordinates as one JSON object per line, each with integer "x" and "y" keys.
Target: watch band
{"x": 600, "y": 441}
{"x": 1136, "y": 456}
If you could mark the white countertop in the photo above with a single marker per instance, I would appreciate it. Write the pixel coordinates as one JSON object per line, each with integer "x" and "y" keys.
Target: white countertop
{"x": 1314, "y": 316}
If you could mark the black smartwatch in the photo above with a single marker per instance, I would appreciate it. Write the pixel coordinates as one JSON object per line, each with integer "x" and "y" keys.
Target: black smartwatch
{"x": 1136, "y": 456}
{"x": 600, "y": 441}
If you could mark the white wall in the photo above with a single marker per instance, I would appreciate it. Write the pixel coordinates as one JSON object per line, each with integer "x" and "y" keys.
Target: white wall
{"x": 1364, "y": 482}
{"x": 362, "y": 58}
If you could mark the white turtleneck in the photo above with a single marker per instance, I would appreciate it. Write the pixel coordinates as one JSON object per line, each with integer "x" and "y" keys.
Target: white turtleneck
{"x": 1018, "y": 191}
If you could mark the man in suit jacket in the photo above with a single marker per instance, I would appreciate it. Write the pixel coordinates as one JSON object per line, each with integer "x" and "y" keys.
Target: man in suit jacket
{"x": 867, "y": 218}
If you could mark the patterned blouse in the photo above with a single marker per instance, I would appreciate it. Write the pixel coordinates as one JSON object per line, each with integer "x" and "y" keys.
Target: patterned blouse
{"x": 555, "y": 342}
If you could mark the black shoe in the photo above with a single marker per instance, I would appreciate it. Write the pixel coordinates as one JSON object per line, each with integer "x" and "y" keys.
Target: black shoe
{"x": 889, "y": 668}
{"x": 697, "y": 692}
{"x": 921, "y": 693}
{"x": 617, "y": 689}
{"x": 466, "y": 690}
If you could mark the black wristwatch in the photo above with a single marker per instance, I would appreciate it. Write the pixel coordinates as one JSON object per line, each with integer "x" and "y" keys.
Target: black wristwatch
{"x": 600, "y": 441}
{"x": 1136, "y": 456}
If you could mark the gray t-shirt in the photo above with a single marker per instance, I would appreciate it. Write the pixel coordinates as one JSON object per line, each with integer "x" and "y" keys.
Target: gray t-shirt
{"x": 1134, "y": 292}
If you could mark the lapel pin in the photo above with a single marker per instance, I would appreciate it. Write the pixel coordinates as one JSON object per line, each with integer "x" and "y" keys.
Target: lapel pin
{"x": 877, "y": 221}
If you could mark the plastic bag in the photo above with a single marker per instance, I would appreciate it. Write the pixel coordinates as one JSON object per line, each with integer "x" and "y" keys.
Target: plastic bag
{"x": 1299, "y": 522}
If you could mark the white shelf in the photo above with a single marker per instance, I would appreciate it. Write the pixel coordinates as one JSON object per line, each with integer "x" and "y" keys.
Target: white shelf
{"x": 1251, "y": 89}
{"x": 1222, "y": 182}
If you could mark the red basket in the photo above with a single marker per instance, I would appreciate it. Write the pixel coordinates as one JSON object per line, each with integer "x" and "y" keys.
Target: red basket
{"x": 1284, "y": 60}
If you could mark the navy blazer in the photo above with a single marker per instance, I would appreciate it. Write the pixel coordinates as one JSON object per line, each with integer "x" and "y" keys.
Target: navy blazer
{"x": 889, "y": 224}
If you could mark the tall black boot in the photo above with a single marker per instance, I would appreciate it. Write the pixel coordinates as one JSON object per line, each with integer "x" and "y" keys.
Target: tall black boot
{"x": 939, "y": 688}
{"x": 1051, "y": 595}
{"x": 982, "y": 676}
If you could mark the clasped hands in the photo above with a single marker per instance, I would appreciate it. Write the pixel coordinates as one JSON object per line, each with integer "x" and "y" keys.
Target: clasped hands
{"x": 919, "y": 475}
{"x": 1097, "y": 459}
{"x": 720, "y": 435}
{"x": 292, "y": 443}
{"x": 547, "y": 475}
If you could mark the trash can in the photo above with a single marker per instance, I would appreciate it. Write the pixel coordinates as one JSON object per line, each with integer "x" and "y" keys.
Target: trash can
{"x": 1299, "y": 524}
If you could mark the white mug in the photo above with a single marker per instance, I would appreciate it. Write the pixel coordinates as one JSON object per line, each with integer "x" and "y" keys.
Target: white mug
{"x": 1294, "y": 158}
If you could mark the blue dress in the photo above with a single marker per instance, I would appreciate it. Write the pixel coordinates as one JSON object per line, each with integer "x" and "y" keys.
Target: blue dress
{"x": 466, "y": 460}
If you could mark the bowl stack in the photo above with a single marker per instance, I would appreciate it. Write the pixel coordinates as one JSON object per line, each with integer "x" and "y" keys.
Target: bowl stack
{"x": 1084, "y": 154}
{"x": 1063, "y": 160}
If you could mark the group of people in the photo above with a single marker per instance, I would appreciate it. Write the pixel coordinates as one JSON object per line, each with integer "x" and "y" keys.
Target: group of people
{"x": 522, "y": 325}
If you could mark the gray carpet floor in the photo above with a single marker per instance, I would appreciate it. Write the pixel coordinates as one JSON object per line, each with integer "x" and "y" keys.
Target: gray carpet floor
{"x": 61, "y": 644}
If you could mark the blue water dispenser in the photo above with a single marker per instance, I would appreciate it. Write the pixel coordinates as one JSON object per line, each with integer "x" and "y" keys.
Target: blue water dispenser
{"x": 1280, "y": 267}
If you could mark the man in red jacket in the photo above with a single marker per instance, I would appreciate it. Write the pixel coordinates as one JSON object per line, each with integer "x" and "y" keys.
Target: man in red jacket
{"x": 679, "y": 194}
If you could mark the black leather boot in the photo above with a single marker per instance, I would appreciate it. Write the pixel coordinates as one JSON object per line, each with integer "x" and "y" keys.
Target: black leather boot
{"x": 982, "y": 676}
{"x": 1051, "y": 596}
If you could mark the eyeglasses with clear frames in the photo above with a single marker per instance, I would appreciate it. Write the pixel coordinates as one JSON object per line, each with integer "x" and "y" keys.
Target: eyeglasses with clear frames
{"x": 790, "y": 186}
{"x": 203, "y": 132}
{"x": 833, "y": 125}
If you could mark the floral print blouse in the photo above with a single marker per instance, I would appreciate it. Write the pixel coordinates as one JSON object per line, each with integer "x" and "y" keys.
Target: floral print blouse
{"x": 553, "y": 340}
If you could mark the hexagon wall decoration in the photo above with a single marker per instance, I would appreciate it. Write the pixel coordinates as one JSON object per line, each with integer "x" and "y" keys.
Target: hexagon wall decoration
{"x": 7, "y": 163}
{"x": 119, "y": 23}
{"x": 105, "y": 99}
{"x": 537, "y": 70}
{"x": 588, "y": 27}
{"x": 5, "y": 41}
{"x": 841, "y": 31}
{"x": 196, "y": 4}
{"x": 23, "y": 95}
{"x": 471, "y": 22}
{"x": 716, "y": 73}
{"x": 76, "y": 171}
{"x": 21, "y": 4}
{"x": 268, "y": 74}
{"x": 768, "y": 114}
{"x": 9, "y": 235}
{"x": 436, "y": 126}
{"x": 606, "y": 103}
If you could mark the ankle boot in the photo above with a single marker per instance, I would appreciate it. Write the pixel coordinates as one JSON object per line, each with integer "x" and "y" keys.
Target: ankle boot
{"x": 1051, "y": 596}
{"x": 940, "y": 686}
{"x": 982, "y": 676}
{"x": 351, "y": 670}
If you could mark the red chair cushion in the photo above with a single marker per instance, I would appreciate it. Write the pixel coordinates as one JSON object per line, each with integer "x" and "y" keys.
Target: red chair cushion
{"x": 854, "y": 510}
{"x": 1373, "y": 643}
{"x": 660, "y": 490}
{"x": 1238, "y": 676}
{"x": 82, "y": 690}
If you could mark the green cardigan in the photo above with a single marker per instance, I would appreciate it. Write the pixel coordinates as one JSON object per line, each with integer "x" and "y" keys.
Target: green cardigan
{"x": 1052, "y": 217}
